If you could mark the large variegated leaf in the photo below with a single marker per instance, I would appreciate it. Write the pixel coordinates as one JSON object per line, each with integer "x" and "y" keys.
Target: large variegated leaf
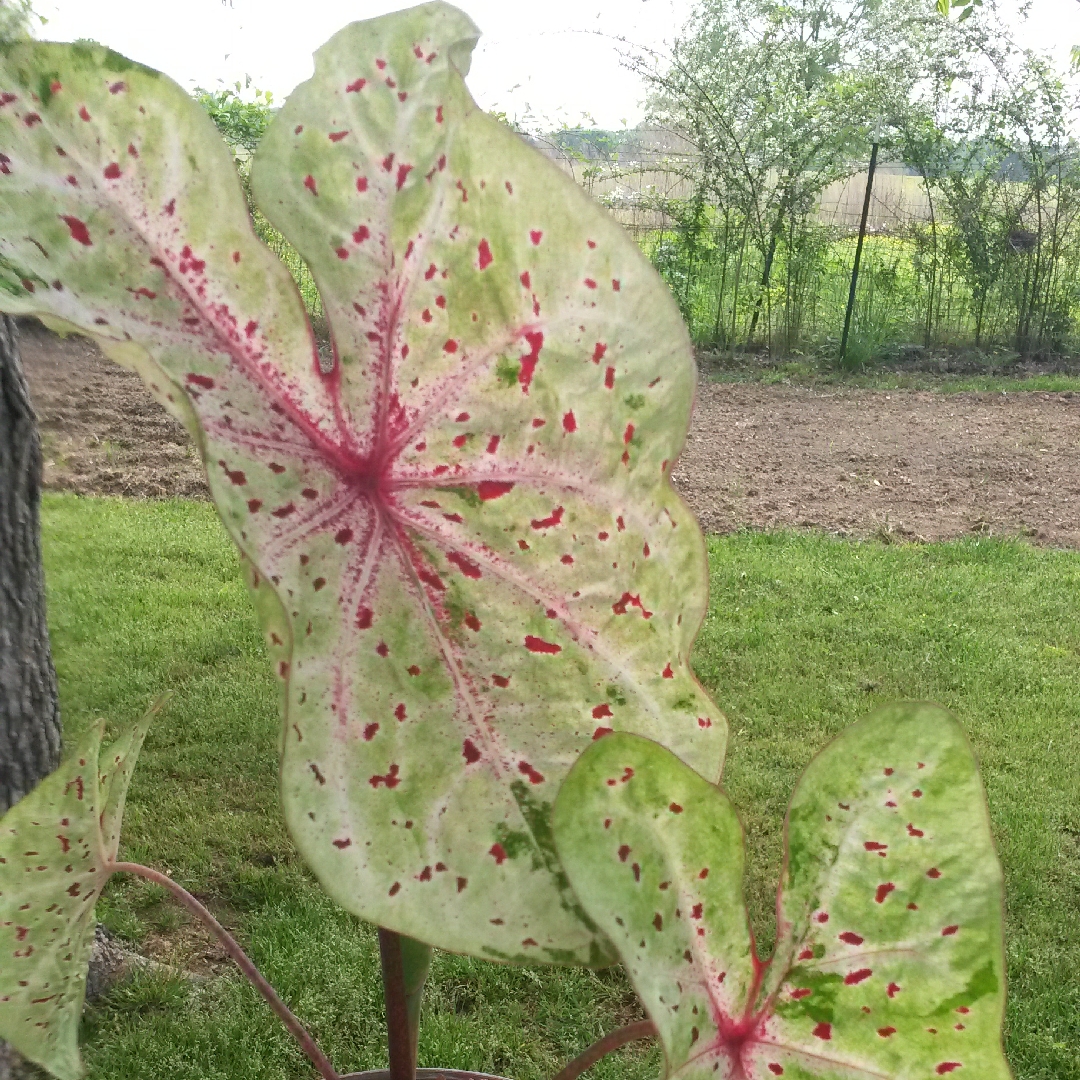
{"x": 889, "y": 961}
{"x": 56, "y": 847}
{"x": 462, "y": 535}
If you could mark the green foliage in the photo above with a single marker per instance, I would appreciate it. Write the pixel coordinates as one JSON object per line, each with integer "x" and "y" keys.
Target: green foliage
{"x": 241, "y": 123}
{"x": 889, "y": 959}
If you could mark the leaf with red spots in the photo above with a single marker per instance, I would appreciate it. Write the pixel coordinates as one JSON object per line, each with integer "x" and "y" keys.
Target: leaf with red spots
{"x": 56, "y": 847}
{"x": 325, "y": 470}
{"x": 859, "y": 983}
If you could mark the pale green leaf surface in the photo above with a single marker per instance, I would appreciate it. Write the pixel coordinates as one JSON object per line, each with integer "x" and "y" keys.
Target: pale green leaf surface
{"x": 461, "y": 531}
{"x": 889, "y": 961}
{"x": 54, "y": 862}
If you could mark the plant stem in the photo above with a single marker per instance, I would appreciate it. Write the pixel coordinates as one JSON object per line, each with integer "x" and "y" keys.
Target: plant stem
{"x": 242, "y": 961}
{"x": 641, "y": 1029}
{"x": 399, "y": 1033}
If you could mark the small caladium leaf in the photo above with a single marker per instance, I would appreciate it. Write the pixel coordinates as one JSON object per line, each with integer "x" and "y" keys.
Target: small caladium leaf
{"x": 56, "y": 848}
{"x": 889, "y": 961}
{"x": 459, "y": 525}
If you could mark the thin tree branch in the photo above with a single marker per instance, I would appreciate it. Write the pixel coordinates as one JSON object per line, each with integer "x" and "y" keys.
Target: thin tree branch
{"x": 242, "y": 961}
{"x": 641, "y": 1029}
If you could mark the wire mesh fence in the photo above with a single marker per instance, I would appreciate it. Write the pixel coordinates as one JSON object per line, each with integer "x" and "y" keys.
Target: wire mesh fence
{"x": 942, "y": 269}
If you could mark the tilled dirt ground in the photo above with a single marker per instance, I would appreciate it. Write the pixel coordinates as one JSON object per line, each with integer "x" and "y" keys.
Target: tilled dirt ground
{"x": 911, "y": 464}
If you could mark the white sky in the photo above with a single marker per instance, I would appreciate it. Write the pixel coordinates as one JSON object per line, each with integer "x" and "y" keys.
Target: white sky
{"x": 554, "y": 60}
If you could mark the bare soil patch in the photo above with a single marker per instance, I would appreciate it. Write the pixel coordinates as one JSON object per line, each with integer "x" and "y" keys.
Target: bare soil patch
{"x": 908, "y": 464}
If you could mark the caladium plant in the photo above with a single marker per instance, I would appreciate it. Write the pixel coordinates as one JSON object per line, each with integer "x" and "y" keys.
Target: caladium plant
{"x": 889, "y": 957}
{"x": 57, "y": 849}
{"x": 463, "y": 541}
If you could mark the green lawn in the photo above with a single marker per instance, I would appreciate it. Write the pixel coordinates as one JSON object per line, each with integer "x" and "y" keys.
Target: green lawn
{"x": 805, "y": 634}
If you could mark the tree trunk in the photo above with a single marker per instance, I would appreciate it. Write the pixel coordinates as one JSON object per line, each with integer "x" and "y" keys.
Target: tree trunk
{"x": 29, "y": 706}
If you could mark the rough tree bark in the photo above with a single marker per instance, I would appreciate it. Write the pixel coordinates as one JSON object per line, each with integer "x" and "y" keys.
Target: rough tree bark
{"x": 29, "y": 705}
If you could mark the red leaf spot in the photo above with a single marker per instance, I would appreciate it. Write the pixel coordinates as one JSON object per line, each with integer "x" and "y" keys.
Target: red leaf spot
{"x": 391, "y": 779}
{"x": 568, "y": 422}
{"x": 658, "y": 921}
{"x": 253, "y": 505}
{"x": 609, "y": 378}
{"x": 493, "y": 444}
{"x": 777, "y": 1070}
{"x": 394, "y": 889}
{"x": 498, "y": 853}
{"x": 947, "y": 1067}
{"x": 318, "y": 774}
{"x": 201, "y": 380}
{"x": 440, "y": 301}
{"x": 369, "y": 732}
{"x": 429, "y": 577}
{"x": 77, "y": 229}
{"x": 382, "y": 649}
{"x": 539, "y": 645}
{"x": 696, "y": 911}
{"x": 916, "y": 794}
{"x": 309, "y": 183}
{"x": 523, "y": 545}
{"x": 601, "y": 536}
{"x": 802, "y": 992}
{"x": 913, "y": 907}
{"x": 488, "y": 489}
{"x": 948, "y": 931}
{"x": 356, "y": 87}
{"x": 589, "y": 283}
{"x": 624, "y": 852}
{"x": 885, "y": 1032}
{"x": 361, "y": 183}
{"x": 342, "y": 253}
{"x": 598, "y": 352}
{"x": 388, "y": 162}
{"x": 337, "y": 136}
{"x": 342, "y": 844}
{"x": 535, "y": 236}
{"x": 530, "y": 360}
{"x": 82, "y": 112}
{"x": 873, "y": 845}
{"x": 823, "y": 1031}
{"x": 600, "y": 711}
{"x": 31, "y": 119}
{"x": 912, "y": 831}
{"x": 883, "y": 891}
{"x": 704, "y": 722}
{"x": 425, "y": 874}
{"x": 851, "y": 938}
{"x": 473, "y": 623}
{"x": 855, "y": 977}
{"x": 413, "y": 670}
{"x": 628, "y": 434}
{"x": 500, "y": 680}
{"x": 843, "y": 806}
{"x": 527, "y": 770}
{"x": 667, "y": 673}
{"x": 438, "y": 114}
{"x": 675, "y": 808}
{"x": 469, "y": 752}
{"x": 806, "y": 954}
{"x": 525, "y": 279}
{"x": 615, "y": 286}
{"x": 484, "y": 255}
{"x": 933, "y": 872}
{"x": 361, "y": 234}
{"x": 822, "y": 917}
{"x": 892, "y": 989}
{"x": 117, "y": 87}
{"x": 284, "y": 511}
{"x": 402, "y": 172}
{"x": 600, "y": 732}
{"x": 549, "y": 522}
{"x": 460, "y": 440}
{"x": 450, "y": 346}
